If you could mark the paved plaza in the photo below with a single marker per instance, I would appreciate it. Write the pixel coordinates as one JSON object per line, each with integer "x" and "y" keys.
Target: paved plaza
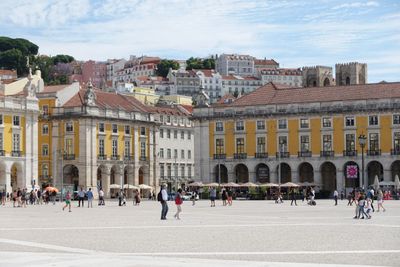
{"x": 249, "y": 233}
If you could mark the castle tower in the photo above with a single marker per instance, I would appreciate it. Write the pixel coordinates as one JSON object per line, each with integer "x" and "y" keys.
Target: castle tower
{"x": 317, "y": 76}
{"x": 351, "y": 73}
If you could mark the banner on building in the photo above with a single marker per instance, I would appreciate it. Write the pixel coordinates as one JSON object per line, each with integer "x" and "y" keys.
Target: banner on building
{"x": 352, "y": 171}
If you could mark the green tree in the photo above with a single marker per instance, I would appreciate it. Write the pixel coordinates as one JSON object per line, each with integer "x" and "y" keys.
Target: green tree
{"x": 62, "y": 59}
{"x": 45, "y": 64}
{"x": 13, "y": 59}
{"x": 209, "y": 63}
{"x": 198, "y": 63}
{"x": 164, "y": 66}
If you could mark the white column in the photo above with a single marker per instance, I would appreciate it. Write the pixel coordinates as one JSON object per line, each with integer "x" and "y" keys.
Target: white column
{"x": 56, "y": 164}
{"x": 136, "y": 154}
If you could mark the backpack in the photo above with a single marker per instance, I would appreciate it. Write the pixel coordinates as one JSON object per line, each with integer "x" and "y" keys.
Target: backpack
{"x": 159, "y": 197}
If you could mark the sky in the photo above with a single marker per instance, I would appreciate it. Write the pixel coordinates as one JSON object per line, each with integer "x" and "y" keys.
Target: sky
{"x": 295, "y": 33}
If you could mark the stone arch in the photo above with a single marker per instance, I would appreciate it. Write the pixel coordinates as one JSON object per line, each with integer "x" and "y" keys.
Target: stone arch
{"x": 374, "y": 168}
{"x": 328, "y": 176}
{"x": 141, "y": 175}
{"x": 224, "y": 173}
{"x": 306, "y": 172}
{"x": 241, "y": 173}
{"x": 286, "y": 172}
{"x": 347, "y": 80}
{"x": 262, "y": 173}
{"x": 327, "y": 82}
{"x": 351, "y": 172}
{"x": 395, "y": 169}
{"x": 114, "y": 175}
{"x": 71, "y": 177}
{"x": 102, "y": 175}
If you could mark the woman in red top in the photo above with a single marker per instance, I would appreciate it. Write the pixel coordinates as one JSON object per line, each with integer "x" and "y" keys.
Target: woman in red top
{"x": 178, "y": 203}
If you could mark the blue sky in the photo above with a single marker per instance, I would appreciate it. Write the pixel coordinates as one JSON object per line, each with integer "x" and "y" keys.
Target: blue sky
{"x": 296, "y": 33}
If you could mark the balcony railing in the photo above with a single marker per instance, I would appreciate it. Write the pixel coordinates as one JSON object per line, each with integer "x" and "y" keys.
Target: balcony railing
{"x": 219, "y": 156}
{"x": 16, "y": 153}
{"x": 327, "y": 153}
{"x": 376, "y": 152}
{"x": 304, "y": 154}
{"x": 143, "y": 158}
{"x": 395, "y": 151}
{"x": 2, "y": 153}
{"x": 349, "y": 153}
{"x": 261, "y": 155}
{"x": 115, "y": 157}
{"x": 101, "y": 157}
{"x": 69, "y": 157}
{"x": 282, "y": 154}
{"x": 128, "y": 157}
{"x": 240, "y": 155}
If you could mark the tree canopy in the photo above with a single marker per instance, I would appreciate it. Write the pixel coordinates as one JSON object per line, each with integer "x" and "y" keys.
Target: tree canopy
{"x": 199, "y": 63}
{"x": 164, "y": 66}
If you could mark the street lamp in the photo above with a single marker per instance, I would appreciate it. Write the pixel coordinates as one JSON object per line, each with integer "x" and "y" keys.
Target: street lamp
{"x": 362, "y": 140}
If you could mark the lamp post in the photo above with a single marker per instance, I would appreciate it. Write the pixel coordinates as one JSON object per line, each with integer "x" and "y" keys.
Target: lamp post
{"x": 362, "y": 140}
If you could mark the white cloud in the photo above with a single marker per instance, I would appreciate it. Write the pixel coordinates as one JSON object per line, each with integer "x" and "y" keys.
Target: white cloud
{"x": 357, "y": 5}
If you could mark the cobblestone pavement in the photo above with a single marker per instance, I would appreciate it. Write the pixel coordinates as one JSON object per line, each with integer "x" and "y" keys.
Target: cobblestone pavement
{"x": 249, "y": 233}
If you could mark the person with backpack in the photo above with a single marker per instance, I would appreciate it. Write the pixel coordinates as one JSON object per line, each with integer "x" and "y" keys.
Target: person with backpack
{"x": 162, "y": 197}
{"x": 90, "y": 198}
{"x": 178, "y": 203}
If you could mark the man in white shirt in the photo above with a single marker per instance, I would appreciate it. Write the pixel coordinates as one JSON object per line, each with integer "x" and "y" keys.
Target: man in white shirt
{"x": 164, "y": 204}
{"x": 335, "y": 196}
{"x": 81, "y": 197}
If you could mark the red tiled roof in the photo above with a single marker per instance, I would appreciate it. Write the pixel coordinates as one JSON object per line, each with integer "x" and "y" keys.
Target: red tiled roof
{"x": 281, "y": 71}
{"x": 236, "y": 77}
{"x": 54, "y": 88}
{"x": 276, "y": 94}
{"x": 8, "y": 72}
{"x": 265, "y": 62}
{"x": 167, "y": 110}
{"x": 189, "y": 108}
{"x": 225, "y": 99}
{"x": 206, "y": 72}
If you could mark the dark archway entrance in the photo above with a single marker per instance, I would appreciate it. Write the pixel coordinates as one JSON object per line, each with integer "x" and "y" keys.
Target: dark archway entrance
{"x": 242, "y": 173}
{"x": 286, "y": 173}
{"x": 224, "y": 174}
{"x": 327, "y": 82}
{"x": 71, "y": 177}
{"x": 374, "y": 168}
{"x": 16, "y": 177}
{"x": 351, "y": 174}
{"x": 99, "y": 180}
{"x": 306, "y": 172}
{"x": 328, "y": 175}
{"x": 262, "y": 173}
{"x": 395, "y": 169}
{"x": 141, "y": 176}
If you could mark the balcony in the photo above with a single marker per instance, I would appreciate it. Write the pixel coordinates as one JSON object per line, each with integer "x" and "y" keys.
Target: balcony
{"x": 69, "y": 156}
{"x": 16, "y": 153}
{"x": 327, "y": 153}
{"x": 282, "y": 154}
{"x": 128, "y": 157}
{"x": 101, "y": 157}
{"x": 143, "y": 158}
{"x": 261, "y": 155}
{"x": 2, "y": 153}
{"x": 219, "y": 156}
{"x": 114, "y": 157}
{"x": 240, "y": 155}
{"x": 375, "y": 152}
{"x": 395, "y": 151}
{"x": 304, "y": 154}
{"x": 349, "y": 153}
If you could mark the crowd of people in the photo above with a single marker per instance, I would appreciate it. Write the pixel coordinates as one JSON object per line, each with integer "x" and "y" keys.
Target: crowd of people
{"x": 23, "y": 197}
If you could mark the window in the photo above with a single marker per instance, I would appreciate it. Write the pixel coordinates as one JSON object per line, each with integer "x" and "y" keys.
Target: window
{"x": 183, "y": 171}
{"x": 260, "y": 144}
{"x": 260, "y": 125}
{"x": 1, "y": 119}
{"x": 282, "y": 124}
{"x": 45, "y": 150}
{"x": 45, "y": 129}
{"x": 373, "y": 120}
{"x": 101, "y": 127}
{"x": 189, "y": 154}
{"x": 142, "y": 131}
{"x": 161, "y": 118}
{"x": 142, "y": 149}
{"x": 16, "y": 120}
{"x": 175, "y": 134}
{"x": 396, "y": 141}
{"x": 327, "y": 142}
{"x": 304, "y": 123}
{"x": 169, "y": 171}
{"x": 239, "y": 145}
{"x": 16, "y": 142}
{"x": 162, "y": 170}
{"x": 168, "y": 134}
{"x": 396, "y": 119}
{"x": 169, "y": 119}
{"x": 115, "y": 128}
{"x": 182, "y": 135}
{"x": 69, "y": 127}
{"x": 239, "y": 126}
{"x": 69, "y": 146}
{"x": 175, "y": 153}
{"x": 45, "y": 110}
{"x": 189, "y": 171}
{"x": 45, "y": 170}
{"x": 189, "y": 135}
{"x": 161, "y": 154}
{"x": 283, "y": 144}
{"x": 326, "y": 122}
{"x": 219, "y": 146}
{"x": 114, "y": 147}
{"x": 304, "y": 143}
{"x": 101, "y": 147}
{"x": 182, "y": 153}
{"x": 127, "y": 129}
{"x": 168, "y": 153}
{"x": 350, "y": 142}
{"x": 127, "y": 148}
{"x": 219, "y": 126}
{"x": 373, "y": 141}
{"x": 350, "y": 122}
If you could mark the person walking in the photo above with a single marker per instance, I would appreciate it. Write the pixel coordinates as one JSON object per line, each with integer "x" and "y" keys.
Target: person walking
{"x": 90, "y": 198}
{"x": 361, "y": 206}
{"x": 213, "y": 196}
{"x": 335, "y": 196}
{"x": 3, "y": 198}
{"x": 162, "y": 197}
{"x": 230, "y": 196}
{"x": 178, "y": 203}
{"x": 341, "y": 195}
{"x": 81, "y": 197}
{"x": 368, "y": 208}
{"x": 224, "y": 197}
{"x": 370, "y": 195}
{"x": 379, "y": 197}
{"x": 304, "y": 194}
{"x": 101, "y": 197}
{"x": 67, "y": 201}
{"x": 194, "y": 195}
{"x": 293, "y": 196}
{"x": 137, "y": 197}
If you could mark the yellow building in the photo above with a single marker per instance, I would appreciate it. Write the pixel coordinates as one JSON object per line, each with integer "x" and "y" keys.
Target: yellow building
{"x": 311, "y": 133}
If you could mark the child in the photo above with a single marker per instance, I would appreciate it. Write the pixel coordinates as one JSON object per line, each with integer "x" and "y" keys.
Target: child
{"x": 368, "y": 207}
{"x": 67, "y": 201}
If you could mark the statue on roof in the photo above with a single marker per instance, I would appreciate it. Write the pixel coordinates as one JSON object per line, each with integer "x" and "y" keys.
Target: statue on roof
{"x": 90, "y": 95}
{"x": 201, "y": 99}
